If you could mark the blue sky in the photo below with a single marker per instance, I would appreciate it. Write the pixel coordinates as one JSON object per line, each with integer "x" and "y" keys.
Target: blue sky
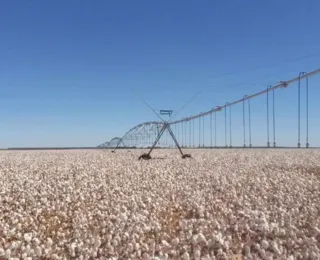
{"x": 67, "y": 67}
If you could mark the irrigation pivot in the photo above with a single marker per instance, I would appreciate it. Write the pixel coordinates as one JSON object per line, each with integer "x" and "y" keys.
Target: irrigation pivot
{"x": 165, "y": 127}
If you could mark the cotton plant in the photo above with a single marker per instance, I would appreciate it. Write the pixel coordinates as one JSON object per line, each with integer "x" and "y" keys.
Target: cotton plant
{"x": 261, "y": 204}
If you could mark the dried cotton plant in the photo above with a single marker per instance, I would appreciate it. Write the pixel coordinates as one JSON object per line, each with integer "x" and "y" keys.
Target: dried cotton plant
{"x": 262, "y": 204}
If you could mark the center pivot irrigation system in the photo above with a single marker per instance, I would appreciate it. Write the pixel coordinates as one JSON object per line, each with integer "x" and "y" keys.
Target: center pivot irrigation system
{"x": 165, "y": 127}
{"x": 145, "y": 132}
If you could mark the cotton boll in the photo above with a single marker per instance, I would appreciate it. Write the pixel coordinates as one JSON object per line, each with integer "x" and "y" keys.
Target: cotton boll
{"x": 2, "y": 252}
{"x": 197, "y": 254}
{"x": 314, "y": 256}
{"x": 27, "y": 237}
{"x": 185, "y": 256}
{"x": 49, "y": 242}
{"x": 206, "y": 257}
{"x": 175, "y": 242}
{"x": 38, "y": 251}
{"x": 7, "y": 253}
{"x": 275, "y": 248}
{"x": 264, "y": 244}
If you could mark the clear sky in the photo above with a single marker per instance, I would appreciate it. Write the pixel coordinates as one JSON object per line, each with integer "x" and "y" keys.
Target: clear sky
{"x": 67, "y": 67}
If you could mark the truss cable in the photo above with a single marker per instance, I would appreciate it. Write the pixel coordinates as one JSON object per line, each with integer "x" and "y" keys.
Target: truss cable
{"x": 307, "y": 111}
{"x": 211, "y": 130}
{"x": 249, "y": 108}
{"x": 244, "y": 122}
{"x": 145, "y": 102}
{"x": 274, "y": 119}
{"x": 183, "y": 107}
{"x": 230, "y": 127}
{"x": 268, "y": 135}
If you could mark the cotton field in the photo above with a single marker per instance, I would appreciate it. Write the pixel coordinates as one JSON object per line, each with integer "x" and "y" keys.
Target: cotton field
{"x": 261, "y": 204}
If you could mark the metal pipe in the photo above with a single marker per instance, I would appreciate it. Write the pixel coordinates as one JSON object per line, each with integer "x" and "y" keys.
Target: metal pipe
{"x": 282, "y": 84}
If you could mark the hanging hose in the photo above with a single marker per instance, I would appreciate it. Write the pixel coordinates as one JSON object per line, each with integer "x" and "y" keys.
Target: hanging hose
{"x": 186, "y": 133}
{"x": 179, "y": 134}
{"x": 274, "y": 119}
{"x": 215, "y": 129}
{"x": 211, "y": 130}
{"x": 189, "y": 133}
{"x": 225, "y": 127}
{"x": 299, "y": 97}
{"x": 249, "y": 108}
{"x": 182, "y": 135}
{"x": 193, "y": 139}
{"x": 307, "y": 104}
{"x": 230, "y": 127}
{"x": 199, "y": 131}
{"x": 203, "y": 131}
{"x": 177, "y": 130}
{"x": 244, "y": 122}
{"x": 268, "y": 135}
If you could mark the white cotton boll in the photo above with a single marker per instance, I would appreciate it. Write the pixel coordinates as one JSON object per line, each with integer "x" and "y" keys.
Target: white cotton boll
{"x": 36, "y": 241}
{"x": 7, "y": 253}
{"x": 165, "y": 244}
{"x": 262, "y": 253}
{"x": 49, "y": 242}
{"x": 165, "y": 257}
{"x": 145, "y": 256}
{"x": 114, "y": 242}
{"x": 206, "y": 257}
{"x": 38, "y": 251}
{"x": 130, "y": 248}
{"x": 136, "y": 246}
{"x": 27, "y": 237}
{"x": 275, "y": 248}
{"x": 194, "y": 240}
{"x": 314, "y": 256}
{"x": 265, "y": 244}
{"x": 2, "y": 252}
{"x": 185, "y": 256}
{"x": 201, "y": 239}
{"x": 175, "y": 241}
{"x": 197, "y": 254}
